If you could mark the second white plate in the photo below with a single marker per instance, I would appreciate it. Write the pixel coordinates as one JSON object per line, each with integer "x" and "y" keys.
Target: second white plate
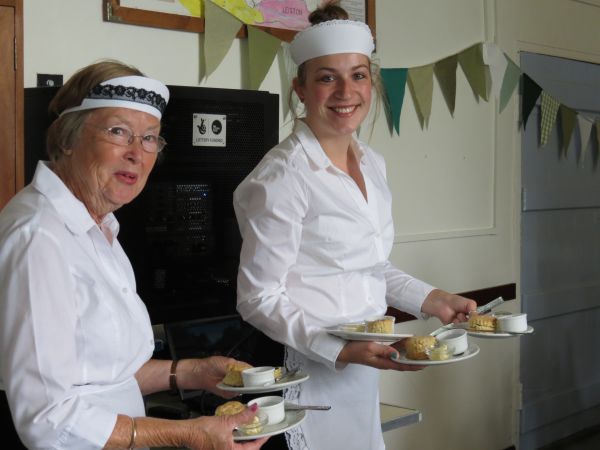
{"x": 469, "y": 353}
{"x": 497, "y": 334}
{"x": 481, "y": 334}
{"x": 277, "y": 386}
{"x": 363, "y": 336}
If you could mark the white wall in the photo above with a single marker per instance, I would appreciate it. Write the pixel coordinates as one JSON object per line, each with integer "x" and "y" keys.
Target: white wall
{"x": 456, "y": 184}
{"x": 454, "y": 214}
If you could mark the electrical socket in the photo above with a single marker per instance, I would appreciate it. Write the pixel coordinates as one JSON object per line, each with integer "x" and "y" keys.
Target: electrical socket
{"x": 49, "y": 80}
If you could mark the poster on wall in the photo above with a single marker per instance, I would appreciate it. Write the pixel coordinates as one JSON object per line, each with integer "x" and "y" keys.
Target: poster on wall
{"x": 286, "y": 14}
{"x": 182, "y": 14}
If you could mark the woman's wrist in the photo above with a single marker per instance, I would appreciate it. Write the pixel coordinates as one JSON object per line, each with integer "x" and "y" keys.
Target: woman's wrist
{"x": 173, "y": 385}
{"x": 133, "y": 436}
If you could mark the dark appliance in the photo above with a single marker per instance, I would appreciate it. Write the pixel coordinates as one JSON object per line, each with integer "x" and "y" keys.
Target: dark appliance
{"x": 181, "y": 233}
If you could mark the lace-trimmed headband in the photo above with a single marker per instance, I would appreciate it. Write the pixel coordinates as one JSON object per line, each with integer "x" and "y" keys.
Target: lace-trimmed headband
{"x": 133, "y": 92}
{"x": 332, "y": 37}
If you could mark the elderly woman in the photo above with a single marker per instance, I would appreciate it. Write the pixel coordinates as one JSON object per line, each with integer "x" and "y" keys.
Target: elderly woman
{"x": 316, "y": 222}
{"x": 75, "y": 338}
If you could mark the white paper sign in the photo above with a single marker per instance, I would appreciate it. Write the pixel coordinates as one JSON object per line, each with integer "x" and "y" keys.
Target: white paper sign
{"x": 210, "y": 130}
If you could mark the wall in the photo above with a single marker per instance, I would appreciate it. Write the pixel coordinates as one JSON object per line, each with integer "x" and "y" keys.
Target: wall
{"x": 456, "y": 184}
{"x": 454, "y": 214}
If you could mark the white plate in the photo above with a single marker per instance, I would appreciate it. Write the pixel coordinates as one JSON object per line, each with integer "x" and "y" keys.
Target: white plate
{"x": 497, "y": 334}
{"x": 292, "y": 419}
{"x": 300, "y": 377}
{"x": 469, "y": 353}
{"x": 481, "y": 334}
{"x": 363, "y": 336}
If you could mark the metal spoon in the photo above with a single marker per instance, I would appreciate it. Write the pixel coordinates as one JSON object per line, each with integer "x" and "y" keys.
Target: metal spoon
{"x": 293, "y": 407}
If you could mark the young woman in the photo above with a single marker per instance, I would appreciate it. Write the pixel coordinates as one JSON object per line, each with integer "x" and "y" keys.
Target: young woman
{"x": 315, "y": 217}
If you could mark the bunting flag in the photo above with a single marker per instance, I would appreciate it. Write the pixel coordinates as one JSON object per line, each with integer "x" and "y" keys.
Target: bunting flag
{"x": 567, "y": 125}
{"x": 420, "y": 84}
{"x": 477, "y": 73}
{"x": 486, "y": 68}
{"x": 531, "y": 92}
{"x": 510, "y": 81}
{"x": 445, "y": 73}
{"x": 585, "y": 131}
{"x": 394, "y": 82}
{"x": 220, "y": 30}
{"x": 287, "y": 72}
{"x": 549, "y": 110}
{"x": 598, "y": 133}
{"x": 262, "y": 49}
{"x": 494, "y": 58}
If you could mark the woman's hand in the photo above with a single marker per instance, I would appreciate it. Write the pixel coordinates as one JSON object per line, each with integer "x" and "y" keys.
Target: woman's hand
{"x": 375, "y": 355}
{"x": 204, "y": 373}
{"x": 448, "y": 307}
{"x": 216, "y": 433}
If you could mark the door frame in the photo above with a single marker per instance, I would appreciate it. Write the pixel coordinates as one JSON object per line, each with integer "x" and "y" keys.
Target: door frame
{"x": 10, "y": 188}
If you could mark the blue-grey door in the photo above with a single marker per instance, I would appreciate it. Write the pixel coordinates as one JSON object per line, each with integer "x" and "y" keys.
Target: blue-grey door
{"x": 560, "y": 261}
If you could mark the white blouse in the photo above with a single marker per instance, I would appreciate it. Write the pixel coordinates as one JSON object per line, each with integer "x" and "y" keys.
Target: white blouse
{"x": 315, "y": 254}
{"x": 73, "y": 330}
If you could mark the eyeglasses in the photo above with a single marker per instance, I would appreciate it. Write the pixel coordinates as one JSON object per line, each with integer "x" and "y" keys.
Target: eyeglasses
{"x": 123, "y": 136}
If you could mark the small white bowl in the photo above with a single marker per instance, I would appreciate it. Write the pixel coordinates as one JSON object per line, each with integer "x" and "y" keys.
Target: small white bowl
{"x": 455, "y": 339}
{"x": 258, "y": 376}
{"x": 272, "y": 405}
{"x": 516, "y": 323}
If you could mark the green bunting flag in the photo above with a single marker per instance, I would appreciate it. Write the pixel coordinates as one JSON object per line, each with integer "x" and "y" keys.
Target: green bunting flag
{"x": 420, "y": 84}
{"x": 598, "y": 133}
{"x": 445, "y": 73}
{"x": 567, "y": 125}
{"x": 509, "y": 83}
{"x": 262, "y": 49}
{"x": 220, "y": 30}
{"x": 394, "y": 82}
{"x": 477, "y": 73}
{"x": 585, "y": 131}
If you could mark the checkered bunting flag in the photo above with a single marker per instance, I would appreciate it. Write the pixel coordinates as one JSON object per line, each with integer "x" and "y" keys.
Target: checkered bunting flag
{"x": 549, "y": 110}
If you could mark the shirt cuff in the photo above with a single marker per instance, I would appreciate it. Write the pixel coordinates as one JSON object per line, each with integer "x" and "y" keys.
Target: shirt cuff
{"x": 413, "y": 296}
{"x": 326, "y": 349}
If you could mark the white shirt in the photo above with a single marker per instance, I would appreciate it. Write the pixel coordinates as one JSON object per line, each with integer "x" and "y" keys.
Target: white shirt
{"x": 315, "y": 254}
{"x": 73, "y": 330}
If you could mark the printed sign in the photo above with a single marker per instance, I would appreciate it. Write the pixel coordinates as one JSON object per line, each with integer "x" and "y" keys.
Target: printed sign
{"x": 210, "y": 130}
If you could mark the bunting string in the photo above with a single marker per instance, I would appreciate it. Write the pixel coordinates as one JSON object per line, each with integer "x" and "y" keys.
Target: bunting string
{"x": 488, "y": 70}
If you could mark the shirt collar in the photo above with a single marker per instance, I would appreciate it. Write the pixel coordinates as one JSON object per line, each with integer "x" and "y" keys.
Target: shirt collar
{"x": 76, "y": 216}
{"x": 313, "y": 149}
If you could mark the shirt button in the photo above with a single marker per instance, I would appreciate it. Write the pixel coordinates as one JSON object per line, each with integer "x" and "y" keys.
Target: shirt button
{"x": 124, "y": 290}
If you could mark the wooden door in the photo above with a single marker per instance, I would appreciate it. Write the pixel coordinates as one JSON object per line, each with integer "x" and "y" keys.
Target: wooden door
{"x": 11, "y": 98}
{"x": 560, "y": 261}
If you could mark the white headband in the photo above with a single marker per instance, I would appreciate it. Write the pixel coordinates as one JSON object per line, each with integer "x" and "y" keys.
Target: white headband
{"x": 133, "y": 92}
{"x": 332, "y": 37}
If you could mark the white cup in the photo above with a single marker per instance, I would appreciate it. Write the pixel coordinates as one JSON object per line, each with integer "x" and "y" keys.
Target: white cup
{"x": 273, "y": 406}
{"x": 258, "y": 376}
{"x": 516, "y": 323}
{"x": 455, "y": 339}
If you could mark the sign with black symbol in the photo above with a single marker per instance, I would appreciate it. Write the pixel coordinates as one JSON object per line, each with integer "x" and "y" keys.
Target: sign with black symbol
{"x": 210, "y": 130}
